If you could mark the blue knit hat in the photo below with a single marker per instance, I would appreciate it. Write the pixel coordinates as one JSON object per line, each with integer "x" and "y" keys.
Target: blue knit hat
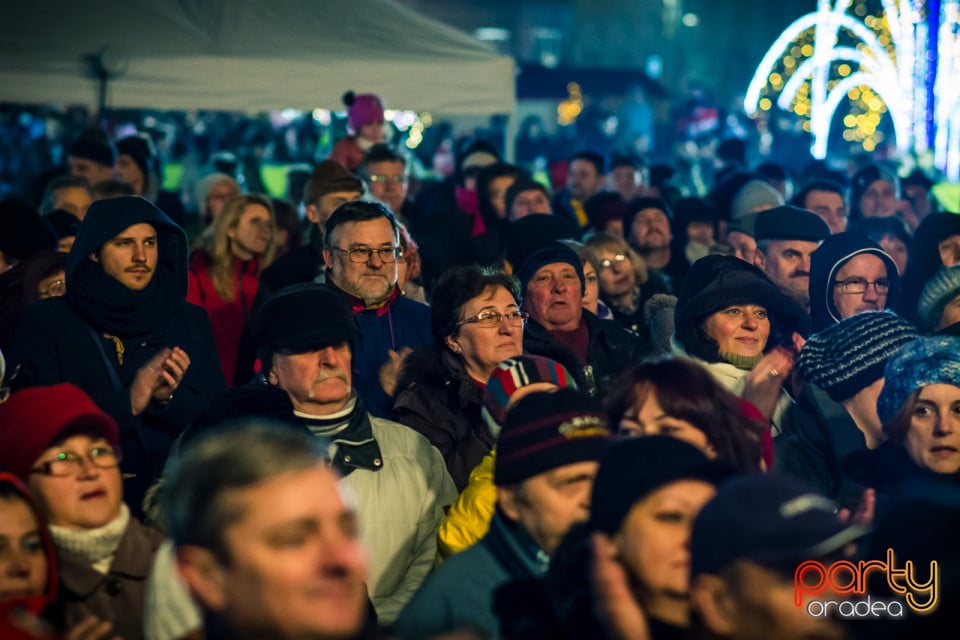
{"x": 937, "y": 293}
{"x": 919, "y": 363}
{"x": 849, "y": 356}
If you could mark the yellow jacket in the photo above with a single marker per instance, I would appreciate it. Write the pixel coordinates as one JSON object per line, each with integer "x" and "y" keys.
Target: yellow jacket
{"x": 469, "y": 517}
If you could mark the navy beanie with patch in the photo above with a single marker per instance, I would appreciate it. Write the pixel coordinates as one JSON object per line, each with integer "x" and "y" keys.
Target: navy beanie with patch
{"x": 546, "y": 430}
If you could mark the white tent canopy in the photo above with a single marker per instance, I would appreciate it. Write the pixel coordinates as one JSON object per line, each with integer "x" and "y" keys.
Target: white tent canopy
{"x": 245, "y": 55}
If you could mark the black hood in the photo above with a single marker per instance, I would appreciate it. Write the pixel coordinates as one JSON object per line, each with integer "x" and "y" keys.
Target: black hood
{"x": 717, "y": 282}
{"x": 827, "y": 260}
{"x": 102, "y": 299}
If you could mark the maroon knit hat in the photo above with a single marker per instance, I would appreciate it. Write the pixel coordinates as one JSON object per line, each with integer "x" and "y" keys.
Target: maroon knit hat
{"x": 544, "y": 431}
{"x": 33, "y": 418}
{"x": 362, "y": 109}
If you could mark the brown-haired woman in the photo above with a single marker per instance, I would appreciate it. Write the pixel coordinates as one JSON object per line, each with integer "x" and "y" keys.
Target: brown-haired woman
{"x": 679, "y": 398}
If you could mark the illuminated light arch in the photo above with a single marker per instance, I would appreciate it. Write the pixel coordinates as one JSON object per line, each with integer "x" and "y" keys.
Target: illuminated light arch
{"x": 889, "y": 62}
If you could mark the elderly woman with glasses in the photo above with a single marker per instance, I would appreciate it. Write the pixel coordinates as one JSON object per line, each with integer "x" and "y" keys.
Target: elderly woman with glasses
{"x": 476, "y": 323}
{"x": 66, "y": 449}
{"x": 625, "y": 282}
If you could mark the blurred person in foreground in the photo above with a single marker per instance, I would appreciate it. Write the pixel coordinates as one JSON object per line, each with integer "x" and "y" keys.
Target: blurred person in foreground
{"x": 265, "y": 538}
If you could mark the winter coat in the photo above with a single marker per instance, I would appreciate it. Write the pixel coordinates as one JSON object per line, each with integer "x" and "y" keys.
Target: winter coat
{"x": 118, "y": 596}
{"x": 459, "y": 593}
{"x": 101, "y": 333}
{"x": 813, "y": 451}
{"x": 348, "y": 153}
{"x": 827, "y": 260}
{"x": 468, "y": 520}
{"x": 731, "y": 378}
{"x": 438, "y": 399}
{"x": 611, "y": 351}
{"x": 636, "y": 321}
{"x": 399, "y": 481}
{"x": 226, "y": 317}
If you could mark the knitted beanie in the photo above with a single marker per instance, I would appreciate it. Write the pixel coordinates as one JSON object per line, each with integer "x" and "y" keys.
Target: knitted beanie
{"x": 363, "y": 109}
{"x": 142, "y": 151}
{"x": 96, "y": 146}
{"x": 514, "y": 373}
{"x": 544, "y": 431}
{"x": 31, "y": 419}
{"x": 22, "y": 231}
{"x": 329, "y": 176}
{"x": 937, "y": 293}
{"x": 756, "y": 195}
{"x": 634, "y": 468}
{"x": 849, "y": 356}
{"x": 550, "y": 253}
{"x": 924, "y": 361}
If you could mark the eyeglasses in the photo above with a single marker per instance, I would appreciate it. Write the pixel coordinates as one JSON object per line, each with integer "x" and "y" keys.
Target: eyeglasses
{"x": 381, "y": 178}
{"x": 606, "y": 263}
{"x": 68, "y": 463}
{"x": 859, "y": 285}
{"x": 492, "y": 319}
{"x": 361, "y": 255}
{"x": 55, "y": 288}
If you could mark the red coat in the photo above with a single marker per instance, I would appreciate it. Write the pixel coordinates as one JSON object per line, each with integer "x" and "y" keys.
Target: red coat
{"x": 348, "y": 153}
{"x": 227, "y": 318}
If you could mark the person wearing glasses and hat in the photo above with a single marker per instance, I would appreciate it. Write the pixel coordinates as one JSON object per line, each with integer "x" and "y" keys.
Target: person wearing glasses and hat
{"x": 67, "y": 451}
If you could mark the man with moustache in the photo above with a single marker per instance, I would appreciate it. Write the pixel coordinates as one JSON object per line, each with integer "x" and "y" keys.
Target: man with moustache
{"x": 399, "y": 479}
{"x": 125, "y": 334}
{"x": 786, "y": 236}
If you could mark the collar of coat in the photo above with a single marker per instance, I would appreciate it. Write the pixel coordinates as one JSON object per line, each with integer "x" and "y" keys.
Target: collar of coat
{"x": 353, "y": 447}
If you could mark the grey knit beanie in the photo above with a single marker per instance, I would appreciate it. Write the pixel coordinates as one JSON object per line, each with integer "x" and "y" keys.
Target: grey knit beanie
{"x": 756, "y": 195}
{"x": 849, "y": 356}
{"x": 943, "y": 287}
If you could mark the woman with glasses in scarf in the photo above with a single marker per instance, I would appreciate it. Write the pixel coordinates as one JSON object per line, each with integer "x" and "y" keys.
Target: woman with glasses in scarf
{"x": 476, "y": 323}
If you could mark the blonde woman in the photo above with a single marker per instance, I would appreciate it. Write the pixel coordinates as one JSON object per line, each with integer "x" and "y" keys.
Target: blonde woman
{"x": 625, "y": 282}
{"x": 225, "y": 271}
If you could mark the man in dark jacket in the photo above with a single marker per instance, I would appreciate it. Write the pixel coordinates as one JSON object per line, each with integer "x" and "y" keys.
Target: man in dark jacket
{"x": 843, "y": 368}
{"x": 547, "y": 457}
{"x": 361, "y": 252}
{"x": 850, "y": 273}
{"x": 124, "y": 332}
{"x": 595, "y": 351}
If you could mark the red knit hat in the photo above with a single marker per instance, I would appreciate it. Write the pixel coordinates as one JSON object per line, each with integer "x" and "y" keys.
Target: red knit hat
{"x": 33, "y": 418}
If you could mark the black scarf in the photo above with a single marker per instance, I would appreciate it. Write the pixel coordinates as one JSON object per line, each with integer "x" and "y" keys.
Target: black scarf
{"x": 102, "y": 300}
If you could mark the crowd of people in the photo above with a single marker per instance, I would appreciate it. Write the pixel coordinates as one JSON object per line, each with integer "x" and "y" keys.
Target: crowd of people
{"x": 497, "y": 408}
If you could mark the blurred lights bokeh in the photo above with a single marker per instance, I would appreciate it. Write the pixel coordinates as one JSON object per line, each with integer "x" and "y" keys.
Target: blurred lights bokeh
{"x": 877, "y": 59}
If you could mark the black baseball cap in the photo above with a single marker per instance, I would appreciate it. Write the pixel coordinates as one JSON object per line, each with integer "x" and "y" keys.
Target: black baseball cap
{"x": 771, "y": 519}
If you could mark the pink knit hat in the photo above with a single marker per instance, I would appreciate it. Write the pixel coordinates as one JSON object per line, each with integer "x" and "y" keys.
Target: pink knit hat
{"x": 362, "y": 109}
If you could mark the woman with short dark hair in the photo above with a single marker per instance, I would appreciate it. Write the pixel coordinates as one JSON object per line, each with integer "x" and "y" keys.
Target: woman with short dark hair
{"x": 476, "y": 323}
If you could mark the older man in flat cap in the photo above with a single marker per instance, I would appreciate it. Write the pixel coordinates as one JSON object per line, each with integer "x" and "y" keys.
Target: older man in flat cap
{"x": 786, "y": 236}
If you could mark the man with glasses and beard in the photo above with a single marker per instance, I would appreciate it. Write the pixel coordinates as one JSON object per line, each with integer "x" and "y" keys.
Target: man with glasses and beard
{"x": 361, "y": 251}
